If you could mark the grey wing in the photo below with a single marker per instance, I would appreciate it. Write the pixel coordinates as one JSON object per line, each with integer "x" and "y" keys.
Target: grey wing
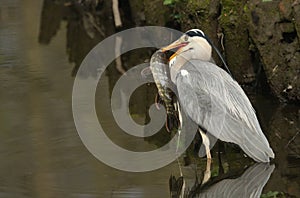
{"x": 217, "y": 103}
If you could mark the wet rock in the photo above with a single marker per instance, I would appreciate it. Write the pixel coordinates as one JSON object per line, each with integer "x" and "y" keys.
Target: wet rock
{"x": 285, "y": 10}
{"x": 275, "y": 35}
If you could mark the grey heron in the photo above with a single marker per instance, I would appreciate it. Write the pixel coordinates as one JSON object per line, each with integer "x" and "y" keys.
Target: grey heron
{"x": 213, "y": 99}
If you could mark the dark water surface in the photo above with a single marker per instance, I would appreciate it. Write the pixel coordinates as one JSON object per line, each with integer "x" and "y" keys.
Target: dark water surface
{"x": 42, "y": 155}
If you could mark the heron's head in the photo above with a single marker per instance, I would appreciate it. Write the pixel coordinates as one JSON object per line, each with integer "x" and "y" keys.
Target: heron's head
{"x": 191, "y": 45}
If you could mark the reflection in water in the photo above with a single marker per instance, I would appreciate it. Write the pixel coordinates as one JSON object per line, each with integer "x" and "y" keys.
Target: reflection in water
{"x": 85, "y": 25}
{"x": 40, "y": 151}
{"x": 249, "y": 184}
{"x": 284, "y": 128}
{"x": 8, "y": 29}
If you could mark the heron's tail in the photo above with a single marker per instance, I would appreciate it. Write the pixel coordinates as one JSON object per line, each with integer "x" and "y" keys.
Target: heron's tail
{"x": 251, "y": 140}
{"x": 257, "y": 147}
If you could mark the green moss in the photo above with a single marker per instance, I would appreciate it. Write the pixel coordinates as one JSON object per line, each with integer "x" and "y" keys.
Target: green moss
{"x": 233, "y": 20}
{"x": 198, "y": 4}
{"x": 232, "y": 11}
{"x": 273, "y": 194}
{"x": 193, "y": 13}
{"x": 156, "y": 13}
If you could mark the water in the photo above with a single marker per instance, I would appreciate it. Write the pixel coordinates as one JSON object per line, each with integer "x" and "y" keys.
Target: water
{"x": 41, "y": 153}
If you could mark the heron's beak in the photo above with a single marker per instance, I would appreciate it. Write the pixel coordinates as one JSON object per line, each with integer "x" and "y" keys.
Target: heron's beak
{"x": 176, "y": 47}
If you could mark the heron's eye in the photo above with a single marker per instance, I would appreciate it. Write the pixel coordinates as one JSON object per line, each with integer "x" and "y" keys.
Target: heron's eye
{"x": 185, "y": 38}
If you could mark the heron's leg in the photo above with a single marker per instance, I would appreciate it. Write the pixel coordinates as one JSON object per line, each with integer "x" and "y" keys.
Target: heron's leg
{"x": 206, "y": 143}
{"x": 207, "y": 173}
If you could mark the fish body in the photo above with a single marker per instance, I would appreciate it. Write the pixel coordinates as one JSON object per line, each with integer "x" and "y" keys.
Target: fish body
{"x": 161, "y": 74}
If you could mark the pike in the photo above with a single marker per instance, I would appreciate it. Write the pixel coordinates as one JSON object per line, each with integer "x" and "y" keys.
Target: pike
{"x": 161, "y": 75}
